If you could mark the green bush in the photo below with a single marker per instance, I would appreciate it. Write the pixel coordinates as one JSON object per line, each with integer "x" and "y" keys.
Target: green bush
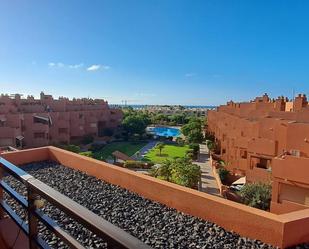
{"x": 72, "y": 147}
{"x": 180, "y": 141}
{"x": 190, "y": 155}
{"x": 223, "y": 174}
{"x": 195, "y": 149}
{"x": 256, "y": 195}
{"x": 221, "y": 163}
{"x": 210, "y": 144}
{"x": 180, "y": 171}
{"x": 87, "y": 153}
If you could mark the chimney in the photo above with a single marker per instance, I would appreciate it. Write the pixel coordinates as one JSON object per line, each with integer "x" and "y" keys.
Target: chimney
{"x": 265, "y": 98}
{"x": 280, "y": 104}
{"x": 300, "y": 102}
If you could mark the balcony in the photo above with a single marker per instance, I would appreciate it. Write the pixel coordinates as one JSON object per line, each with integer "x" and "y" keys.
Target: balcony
{"x": 258, "y": 175}
{"x": 115, "y": 237}
{"x": 130, "y": 195}
{"x": 291, "y": 168}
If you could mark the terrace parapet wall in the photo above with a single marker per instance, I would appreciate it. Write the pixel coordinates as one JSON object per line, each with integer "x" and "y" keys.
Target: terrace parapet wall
{"x": 279, "y": 230}
{"x": 290, "y": 184}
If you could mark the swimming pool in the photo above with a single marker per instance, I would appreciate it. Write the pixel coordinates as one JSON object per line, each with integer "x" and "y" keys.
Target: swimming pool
{"x": 164, "y": 131}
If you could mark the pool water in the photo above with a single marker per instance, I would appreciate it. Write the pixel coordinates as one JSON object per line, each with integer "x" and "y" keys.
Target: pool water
{"x": 165, "y": 131}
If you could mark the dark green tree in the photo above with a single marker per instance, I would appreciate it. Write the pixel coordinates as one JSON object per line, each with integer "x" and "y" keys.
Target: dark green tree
{"x": 135, "y": 124}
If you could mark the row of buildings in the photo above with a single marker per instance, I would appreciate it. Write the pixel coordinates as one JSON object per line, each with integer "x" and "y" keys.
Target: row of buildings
{"x": 267, "y": 141}
{"x": 29, "y": 122}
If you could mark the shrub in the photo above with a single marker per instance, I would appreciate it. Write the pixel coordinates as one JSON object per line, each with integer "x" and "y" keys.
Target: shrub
{"x": 180, "y": 171}
{"x": 195, "y": 149}
{"x": 256, "y": 195}
{"x": 221, "y": 163}
{"x": 86, "y": 153}
{"x": 189, "y": 155}
{"x": 185, "y": 173}
{"x": 210, "y": 144}
{"x": 180, "y": 141}
{"x": 223, "y": 174}
{"x": 72, "y": 147}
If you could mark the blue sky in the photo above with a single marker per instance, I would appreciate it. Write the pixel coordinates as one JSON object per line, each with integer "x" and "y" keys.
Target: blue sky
{"x": 155, "y": 52}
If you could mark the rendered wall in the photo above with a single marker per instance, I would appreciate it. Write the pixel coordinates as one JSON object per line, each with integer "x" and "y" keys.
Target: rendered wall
{"x": 265, "y": 131}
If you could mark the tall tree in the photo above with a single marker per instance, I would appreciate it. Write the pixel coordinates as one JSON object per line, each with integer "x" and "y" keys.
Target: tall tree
{"x": 160, "y": 147}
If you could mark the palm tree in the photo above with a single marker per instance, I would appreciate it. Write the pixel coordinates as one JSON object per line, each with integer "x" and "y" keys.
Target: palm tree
{"x": 160, "y": 147}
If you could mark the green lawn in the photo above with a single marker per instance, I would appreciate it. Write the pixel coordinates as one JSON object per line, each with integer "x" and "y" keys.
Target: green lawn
{"x": 128, "y": 148}
{"x": 168, "y": 152}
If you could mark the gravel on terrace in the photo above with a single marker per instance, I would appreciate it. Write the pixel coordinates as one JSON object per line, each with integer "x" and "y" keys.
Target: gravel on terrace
{"x": 154, "y": 223}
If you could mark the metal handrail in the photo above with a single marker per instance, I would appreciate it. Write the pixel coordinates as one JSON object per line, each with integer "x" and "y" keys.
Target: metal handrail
{"x": 114, "y": 236}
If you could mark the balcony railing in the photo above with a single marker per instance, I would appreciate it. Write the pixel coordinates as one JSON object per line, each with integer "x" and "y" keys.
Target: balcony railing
{"x": 112, "y": 235}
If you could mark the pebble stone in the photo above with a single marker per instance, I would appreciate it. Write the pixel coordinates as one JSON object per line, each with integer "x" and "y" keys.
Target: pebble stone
{"x": 153, "y": 223}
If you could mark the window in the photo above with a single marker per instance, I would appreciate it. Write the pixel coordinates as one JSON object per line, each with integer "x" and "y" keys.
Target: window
{"x": 243, "y": 154}
{"x": 263, "y": 163}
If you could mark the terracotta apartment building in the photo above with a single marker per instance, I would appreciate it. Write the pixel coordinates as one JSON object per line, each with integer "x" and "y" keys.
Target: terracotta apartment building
{"x": 267, "y": 141}
{"x": 29, "y": 122}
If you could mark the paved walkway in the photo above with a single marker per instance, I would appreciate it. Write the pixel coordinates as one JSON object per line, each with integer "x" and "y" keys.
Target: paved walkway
{"x": 209, "y": 184}
{"x": 143, "y": 151}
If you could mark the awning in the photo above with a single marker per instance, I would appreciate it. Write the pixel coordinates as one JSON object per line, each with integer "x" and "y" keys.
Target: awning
{"x": 240, "y": 181}
{"x": 43, "y": 118}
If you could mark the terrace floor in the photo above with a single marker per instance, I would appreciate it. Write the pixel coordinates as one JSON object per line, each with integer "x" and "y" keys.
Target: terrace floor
{"x": 11, "y": 236}
{"x": 149, "y": 221}
{"x": 209, "y": 183}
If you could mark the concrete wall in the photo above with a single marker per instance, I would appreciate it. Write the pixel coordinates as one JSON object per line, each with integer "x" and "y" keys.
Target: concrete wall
{"x": 279, "y": 230}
